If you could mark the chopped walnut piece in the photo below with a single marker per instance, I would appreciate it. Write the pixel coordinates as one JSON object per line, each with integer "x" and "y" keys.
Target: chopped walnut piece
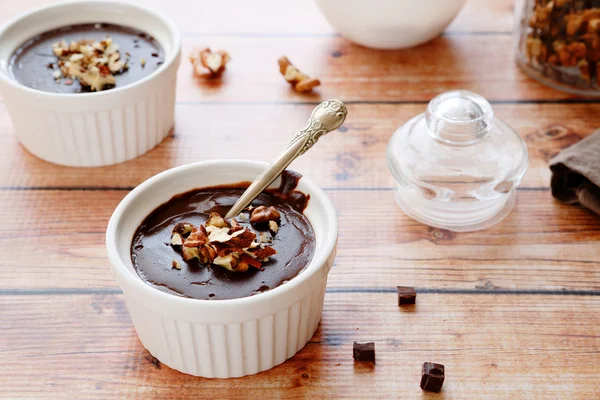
{"x": 584, "y": 68}
{"x": 236, "y": 243}
{"x": 244, "y": 217}
{"x": 541, "y": 15}
{"x": 273, "y": 227}
{"x": 229, "y": 262}
{"x": 176, "y": 264}
{"x": 115, "y": 64}
{"x": 183, "y": 228}
{"x": 189, "y": 253}
{"x": 536, "y": 49}
{"x": 577, "y": 49}
{"x": 264, "y": 238}
{"x": 203, "y": 60}
{"x": 574, "y": 23}
{"x": 262, "y": 215}
{"x": 176, "y": 240}
{"x": 246, "y": 259}
{"x": 196, "y": 239}
{"x": 214, "y": 219}
{"x": 207, "y": 254}
{"x": 594, "y": 25}
{"x": 262, "y": 253}
{"x": 299, "y": 81}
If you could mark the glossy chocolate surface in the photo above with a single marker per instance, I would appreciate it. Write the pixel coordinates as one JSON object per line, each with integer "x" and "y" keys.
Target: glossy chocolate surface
{"x": 33, "y": 63}
{"x": 153, "y": 256}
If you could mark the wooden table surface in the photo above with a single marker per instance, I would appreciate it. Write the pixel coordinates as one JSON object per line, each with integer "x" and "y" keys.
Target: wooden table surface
{"x": 512, "y": 311}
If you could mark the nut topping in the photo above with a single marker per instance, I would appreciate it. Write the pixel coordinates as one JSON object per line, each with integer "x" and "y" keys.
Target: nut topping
{"x": 299, "y": 81}
{"x": 262, "y": 215}
{"x": 214, "y": 219}
{"x": 176, "y": 240}
{"x": 183, "y": 228}
{"x": 190, "y": 253}
{"x": 94, "y": 64}
{"x": 228, "y": 245}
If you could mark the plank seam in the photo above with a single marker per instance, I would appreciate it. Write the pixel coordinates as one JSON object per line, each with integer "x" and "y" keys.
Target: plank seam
{"x": 114, "y": 291}
{"x": 129, "y": 188}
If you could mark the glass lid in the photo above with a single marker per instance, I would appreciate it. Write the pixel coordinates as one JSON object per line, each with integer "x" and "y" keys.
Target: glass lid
{"x": 456, "y": 166}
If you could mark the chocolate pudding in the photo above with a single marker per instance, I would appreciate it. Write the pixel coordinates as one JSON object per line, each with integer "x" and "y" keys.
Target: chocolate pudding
{"x": 184, "y": 247}
{"x": 43, "y": 63}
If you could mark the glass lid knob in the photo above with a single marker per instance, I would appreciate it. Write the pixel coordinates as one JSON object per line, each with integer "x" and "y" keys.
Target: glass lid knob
{"x": 459, "y": 117}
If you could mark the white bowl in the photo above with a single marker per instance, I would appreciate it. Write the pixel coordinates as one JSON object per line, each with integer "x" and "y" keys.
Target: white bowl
{"x": 92, "y": 129}
{"x": 390, "y": 24}
{"x": 221, "y": 338}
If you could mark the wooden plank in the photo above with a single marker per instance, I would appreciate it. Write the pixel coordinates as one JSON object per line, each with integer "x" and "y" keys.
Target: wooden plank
{"x": 493, "y": 346}
{"x": 353, "y": 158}
{"x": 55, "y": 239}
{"x": 272, "y": 17}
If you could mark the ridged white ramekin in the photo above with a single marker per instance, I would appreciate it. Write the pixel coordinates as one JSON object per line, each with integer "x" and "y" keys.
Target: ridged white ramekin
{"x": 221, "y": 338}
{"x": 92, "y": 129}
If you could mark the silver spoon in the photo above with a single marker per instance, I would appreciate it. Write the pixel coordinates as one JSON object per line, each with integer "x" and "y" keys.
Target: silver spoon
{"x": 326, "y": 117}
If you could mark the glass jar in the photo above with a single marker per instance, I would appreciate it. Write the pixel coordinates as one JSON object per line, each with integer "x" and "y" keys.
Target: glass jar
{"x": 456, "y": 166}
{"x": 559, "y": 43}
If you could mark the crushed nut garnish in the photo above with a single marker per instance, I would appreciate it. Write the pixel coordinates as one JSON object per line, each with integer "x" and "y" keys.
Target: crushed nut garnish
{"x": 93, "y": 63}
{"x": 221, "y": 242}
{"x": 176, "y": 264}
{"x": 143, "y": 63}
{"x": 299, "y": 81}
{"x": 263, "y": 237}
{"x": 176, "y": 239}
{"x": 273, "y": 227}
{"x": 203, "y": 60}
{"x": 262, "y": 215}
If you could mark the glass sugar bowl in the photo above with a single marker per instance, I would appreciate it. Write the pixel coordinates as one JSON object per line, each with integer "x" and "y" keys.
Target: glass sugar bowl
{"x": 559, "y": 43}
{"x": 456, "y": 166}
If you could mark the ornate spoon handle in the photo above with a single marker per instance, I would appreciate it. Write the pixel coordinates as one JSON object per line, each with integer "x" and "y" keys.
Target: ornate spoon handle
{"x": 326, "y": 117}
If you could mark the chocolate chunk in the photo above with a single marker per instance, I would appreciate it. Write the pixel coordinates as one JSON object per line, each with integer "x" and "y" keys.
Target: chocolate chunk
{"x": 364, "y": 352}
{"x": 406, "y": 295}
{"x": 433, "y": 377}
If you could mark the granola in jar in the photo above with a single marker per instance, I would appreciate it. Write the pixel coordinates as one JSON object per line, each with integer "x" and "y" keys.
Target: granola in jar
{"x": 559, "y": 43}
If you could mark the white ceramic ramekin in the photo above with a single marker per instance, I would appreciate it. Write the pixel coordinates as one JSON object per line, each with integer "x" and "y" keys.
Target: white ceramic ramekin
{"x": 390, "y": 24}
{"x": 221, "y": 338}
{"x": 92, "y": 129}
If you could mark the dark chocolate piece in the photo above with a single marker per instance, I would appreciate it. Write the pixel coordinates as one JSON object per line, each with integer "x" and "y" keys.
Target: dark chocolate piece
{"x": 364, "y": 352}
{"x": 406, "y": 295}
{"x": 433, "y": 377}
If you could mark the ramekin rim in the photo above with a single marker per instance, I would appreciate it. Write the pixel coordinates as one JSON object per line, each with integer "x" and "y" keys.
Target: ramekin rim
{"x": 318, "y": 261}
{"x": 168, "y": 62}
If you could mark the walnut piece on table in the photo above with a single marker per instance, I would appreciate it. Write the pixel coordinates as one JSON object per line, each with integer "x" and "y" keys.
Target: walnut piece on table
{"x": 209, "y": 64}
{"x": 299, "y": 81}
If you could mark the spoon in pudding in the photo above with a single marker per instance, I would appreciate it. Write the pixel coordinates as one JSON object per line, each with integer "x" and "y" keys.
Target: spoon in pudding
{"x": 326, "y": 117}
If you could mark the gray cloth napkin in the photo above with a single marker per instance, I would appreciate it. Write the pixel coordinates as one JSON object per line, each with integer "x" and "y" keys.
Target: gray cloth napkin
{"x": 576, "y": 173}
